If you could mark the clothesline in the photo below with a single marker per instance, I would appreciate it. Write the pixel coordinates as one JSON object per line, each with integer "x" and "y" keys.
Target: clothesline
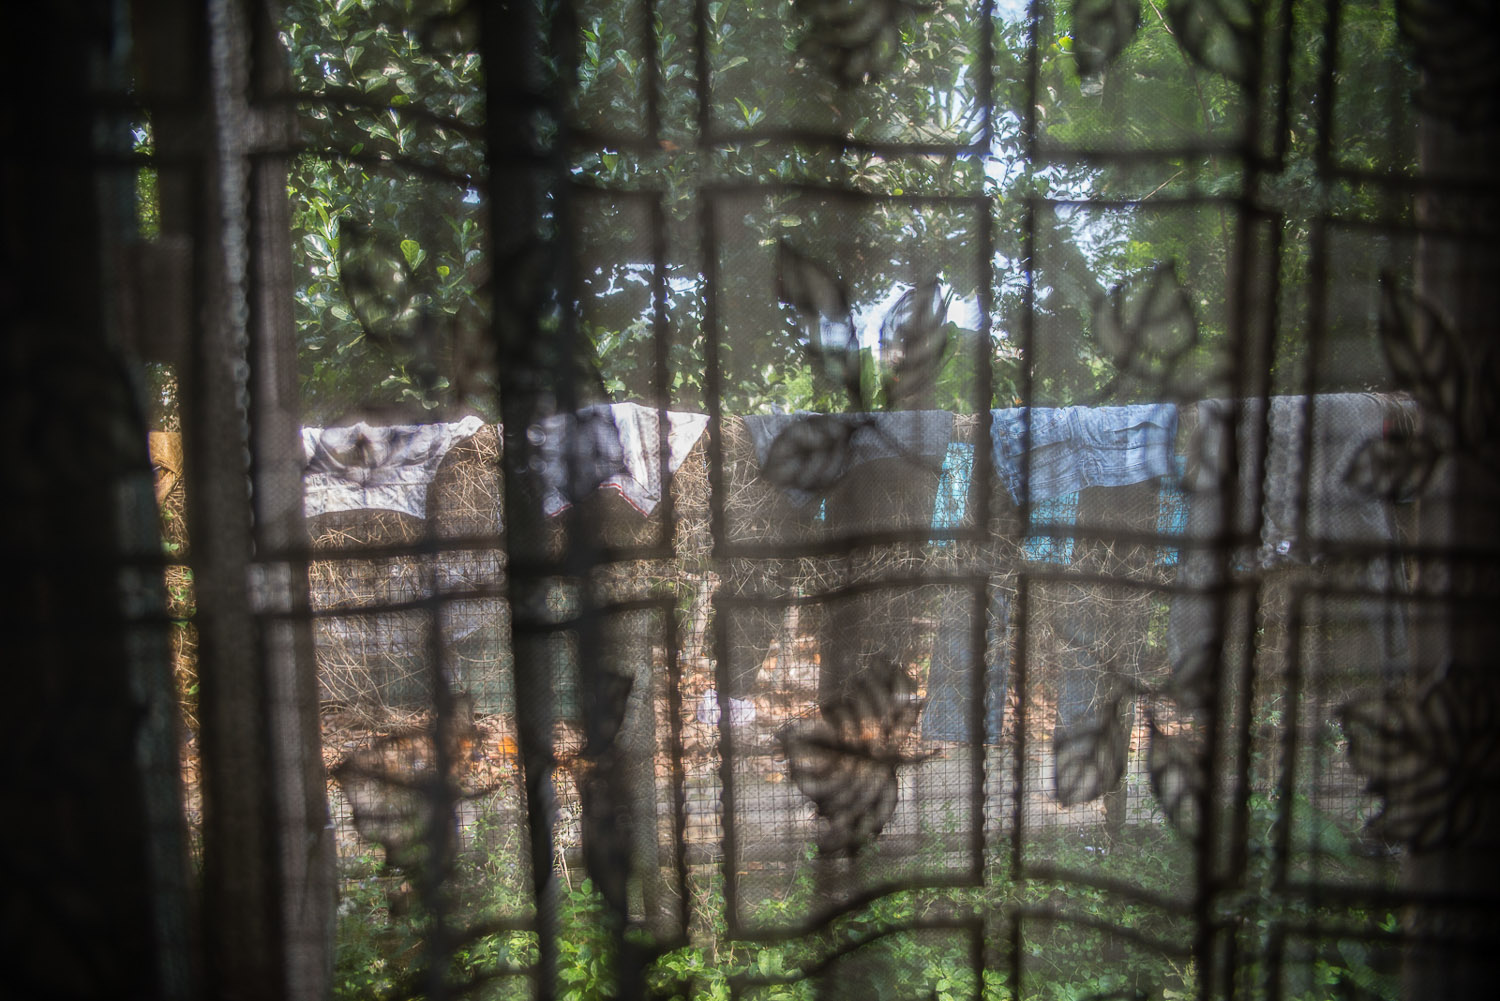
{"x": 1039, "y": 454}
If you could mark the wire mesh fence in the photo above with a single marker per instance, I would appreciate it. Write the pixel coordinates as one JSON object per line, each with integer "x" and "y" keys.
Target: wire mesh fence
{"x": 758, "y": 652}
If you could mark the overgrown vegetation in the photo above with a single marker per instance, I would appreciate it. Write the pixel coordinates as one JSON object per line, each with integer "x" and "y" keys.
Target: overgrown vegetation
{"x": 394, "y": 181}
{"x": 1065, "y": 902}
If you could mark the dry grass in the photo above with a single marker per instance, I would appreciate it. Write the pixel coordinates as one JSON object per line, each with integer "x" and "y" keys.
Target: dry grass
{"x": 380, "y": 649}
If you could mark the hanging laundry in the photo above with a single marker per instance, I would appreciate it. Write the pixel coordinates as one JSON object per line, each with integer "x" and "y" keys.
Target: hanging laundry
{"x": 741, "y": 711}
{"x": 1045, "y": 452}
{"x": 1300, "y": 511}
{"x": 367, "y": 467}
{"x": 921, "y": 436}
{"x": 615, "y": 446}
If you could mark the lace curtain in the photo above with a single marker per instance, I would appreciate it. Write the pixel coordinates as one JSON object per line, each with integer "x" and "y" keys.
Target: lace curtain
{"x": 806, "y": 499}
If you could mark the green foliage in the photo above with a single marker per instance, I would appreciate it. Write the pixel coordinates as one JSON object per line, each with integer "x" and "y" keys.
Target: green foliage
{"x": 383, "y": 83}
{"x": 147, "y": 204}
{"x": 392, "y": 120}
{"x": 1067, "y": 953}
{"x": 1157, "y": 95}
{"x": 392, "y": 116}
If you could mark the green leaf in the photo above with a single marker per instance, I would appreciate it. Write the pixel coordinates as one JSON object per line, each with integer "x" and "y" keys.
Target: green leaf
{"x": 413, "y": 253}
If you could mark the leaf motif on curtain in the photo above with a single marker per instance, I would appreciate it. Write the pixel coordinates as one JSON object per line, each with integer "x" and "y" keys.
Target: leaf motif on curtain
{"x": 1193, "y": 677}
{"x": 821, "y": 300}
{"x": 811, "y": 454}
{"x": 378, "y": 280}
{"x": 855, "y": 39}
{"x": 1148, "y": 328}
{"x": 1424, "y": 352}
{"x": 1397, "y": 468}
{"x": 846, "y": 759}
{"x": 394, "y": 785}
{"x": 1433, "y": 759}
{"x": 1177, "y": 769}
{"x": 1101, "y": 31}
{"x": 453, "y": 31}
{"x": 913, "y": 344}
{"x": 1456, "y": 387}
{"x": 1217, "y": 34}
{"x": 1091, "y": 757}
{"x": 1457, "y": 45}
{"x": 1431, "y": 359}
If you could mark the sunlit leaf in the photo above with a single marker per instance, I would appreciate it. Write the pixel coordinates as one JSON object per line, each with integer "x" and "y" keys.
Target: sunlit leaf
{"x": 413, "y": 252}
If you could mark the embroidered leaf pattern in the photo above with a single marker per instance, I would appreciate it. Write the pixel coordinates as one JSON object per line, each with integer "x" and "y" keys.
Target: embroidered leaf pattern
{"x": 1193, "y": 677}
{"x": 1148, "y": 327}
{"x": 1423, "y": 351}
{"x": 913, "y": 342}
{"x": 607, "y": 700}
{"x": 1396, "y": 468}
{"x": 604, "y": 793}
{"x": 1457, "y": 45}
{"x": 855, "y": 39}
{"x": 1101, "y": 30}
{"x": 1434, "y": 760}
{"x": 1216, "y": 33}
{"x": 453, "y": 31}
{"x": 1091, "y": 756}
{"x": 822, "y": 304}
{"x": 396, "y": 785}
{"x": 810, "y": 454}
{"x": 1174, "y": 762}
{"x": 846, "y": 759}
{"x": 378, "y": 282}
{"x": 1454, "y": 377}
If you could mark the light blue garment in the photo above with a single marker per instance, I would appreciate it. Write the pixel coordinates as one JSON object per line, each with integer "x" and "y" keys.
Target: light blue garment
{"x": 1075, "y": 447}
